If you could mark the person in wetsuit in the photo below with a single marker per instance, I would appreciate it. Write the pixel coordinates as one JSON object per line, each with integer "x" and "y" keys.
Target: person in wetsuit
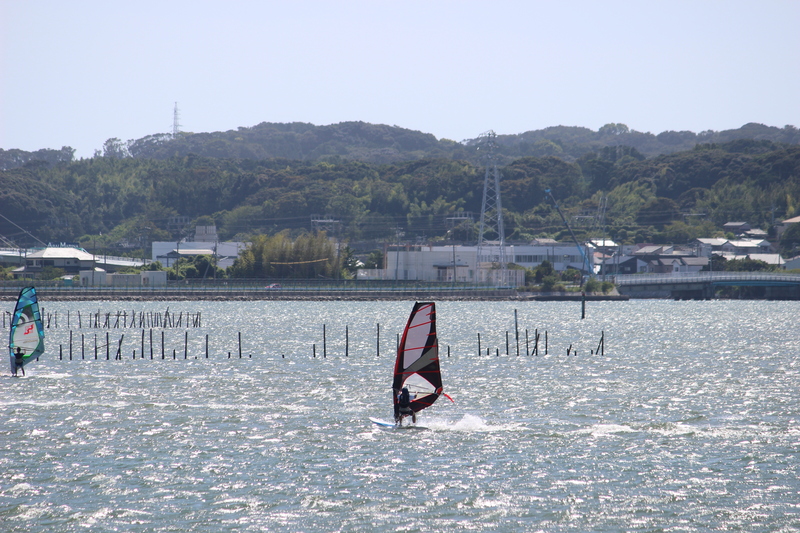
{"x": 18, "y": 363}
{"x": 403, "y": 406}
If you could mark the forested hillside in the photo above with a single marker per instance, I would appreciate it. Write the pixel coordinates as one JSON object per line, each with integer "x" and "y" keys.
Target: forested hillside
{"x": 121, "y": 203}
{"x": 381, "y": 144}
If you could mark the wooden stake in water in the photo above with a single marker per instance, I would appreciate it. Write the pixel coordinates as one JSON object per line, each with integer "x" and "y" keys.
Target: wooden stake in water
{"x": 583, "y": 305}
{"x": 346, "y": 341}
{"x": 516, "y": 330}
{"x": 479, "y": 344}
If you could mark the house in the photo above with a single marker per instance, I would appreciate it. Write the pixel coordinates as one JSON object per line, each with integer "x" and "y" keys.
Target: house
{"x": 706, "y": 246}
{"x": 747, "y": 246}
{"x": 737, "y": 228}
{"x": 623, "y": 264}
{"x": 68, "y": 258}
{"x": 784, "y": 225}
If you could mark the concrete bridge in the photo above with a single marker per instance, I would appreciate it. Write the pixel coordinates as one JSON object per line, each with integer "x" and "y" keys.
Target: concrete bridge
{"x": 704, "y": 285}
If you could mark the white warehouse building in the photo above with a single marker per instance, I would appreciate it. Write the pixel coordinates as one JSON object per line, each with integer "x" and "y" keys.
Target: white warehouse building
{"x": 457, "y": 263}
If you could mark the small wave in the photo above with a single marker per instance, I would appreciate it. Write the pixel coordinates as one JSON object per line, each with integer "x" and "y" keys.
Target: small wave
{"x": 604, "y": 430}
{"x": 468, "y": 423}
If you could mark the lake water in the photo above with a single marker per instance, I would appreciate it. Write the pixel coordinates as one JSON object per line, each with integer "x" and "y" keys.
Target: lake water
{"x": 689, "y": 422}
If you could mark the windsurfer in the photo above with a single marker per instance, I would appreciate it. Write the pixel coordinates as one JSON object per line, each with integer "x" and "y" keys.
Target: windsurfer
{"x": 18, "y": 363}
{"x": 403, "y": 406}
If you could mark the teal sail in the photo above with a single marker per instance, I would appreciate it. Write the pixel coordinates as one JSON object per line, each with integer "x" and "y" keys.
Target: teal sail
{"x": 27, "y": 331}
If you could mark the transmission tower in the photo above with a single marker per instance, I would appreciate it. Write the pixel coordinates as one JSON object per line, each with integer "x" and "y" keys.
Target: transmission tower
{"x": 175, "y": 124}
{"x": 491, "y": 252}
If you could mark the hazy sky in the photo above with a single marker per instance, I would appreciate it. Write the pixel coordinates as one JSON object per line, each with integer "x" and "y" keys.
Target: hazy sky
{"x": 78, "y": 72}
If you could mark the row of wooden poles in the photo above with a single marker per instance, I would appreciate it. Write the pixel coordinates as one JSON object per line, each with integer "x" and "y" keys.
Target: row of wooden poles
{"x": 119, "y": 319}
{"x": 169, "y": 320}
{"x": 118, "y": 354}
{"x": 528, "y": 351}
{"x": 107, "y": 346}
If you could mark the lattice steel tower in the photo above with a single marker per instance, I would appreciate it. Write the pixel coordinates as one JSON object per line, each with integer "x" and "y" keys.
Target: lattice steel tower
{"x": 175, "y": 125}
{"x": 491, "y": 253}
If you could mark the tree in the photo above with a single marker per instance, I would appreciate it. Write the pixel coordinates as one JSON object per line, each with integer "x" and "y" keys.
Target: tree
{"x": 658, "y": 212}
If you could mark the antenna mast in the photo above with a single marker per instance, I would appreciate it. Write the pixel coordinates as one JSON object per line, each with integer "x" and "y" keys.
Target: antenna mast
{"x": 492, "y": 216}
{"x": 175, "y": 124}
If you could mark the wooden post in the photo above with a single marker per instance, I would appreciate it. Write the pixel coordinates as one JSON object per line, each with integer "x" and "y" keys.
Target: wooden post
{"x": 240, "y": 345}
{"x": 108, "y": 355}
{"x": 600, "y": 345}
{"x": 545, "y": 342}
{"x": 185, "y": 344}
{"x": 516, "y": 330}
{"x": 346, "y": 341}
{"x": 378, "y": 341}
{"x": 526, "y": 342}
{"x": 583, "y": 305}
{"x": 119, "y": 347}
{"x": 70, "y": 345}
{"x": 206, "y": 345}
{"x": 82, "y": 347}
{"x": 324, "y": 343}
{"x": 61, "y": 353}
{"x": 95, "y": 345}
{"x": 162, "y": 345}
{"x": 506, "y": 342}
{"x": 479, "y": 344}
{"x": 142, "y": 344}
{"x": 314, "y": 350}
{"x": 151, "y": 343}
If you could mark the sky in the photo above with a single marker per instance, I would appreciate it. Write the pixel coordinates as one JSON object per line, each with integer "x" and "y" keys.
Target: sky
{"x": 78, "y": 72}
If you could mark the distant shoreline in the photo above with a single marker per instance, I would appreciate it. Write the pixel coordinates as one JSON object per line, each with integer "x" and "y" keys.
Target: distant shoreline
{"x": 56, "y": 294}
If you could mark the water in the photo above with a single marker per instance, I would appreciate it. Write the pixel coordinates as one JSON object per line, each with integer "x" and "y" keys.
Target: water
{"x": 690, "y": 422}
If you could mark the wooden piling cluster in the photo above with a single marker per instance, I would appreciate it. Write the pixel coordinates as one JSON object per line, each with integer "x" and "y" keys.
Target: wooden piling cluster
{"x": 118, "y": 319}
{"x": 146, "y": 342}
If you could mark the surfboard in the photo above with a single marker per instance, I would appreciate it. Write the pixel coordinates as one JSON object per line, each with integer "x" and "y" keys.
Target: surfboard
{"x": 391, "y": 425}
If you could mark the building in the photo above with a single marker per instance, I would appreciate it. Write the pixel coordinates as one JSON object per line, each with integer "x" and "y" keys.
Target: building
{"x": 460, "y": 264}
{"x": 67, "y": 258}
{"x": 784, "y": 225}
{"x": 206, "y": 242}
{"x": 147, "y": 278}
{"x": 167, "y": 252}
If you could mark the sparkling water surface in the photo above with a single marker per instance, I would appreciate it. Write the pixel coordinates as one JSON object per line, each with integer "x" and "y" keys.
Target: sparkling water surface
{"x": 690, "y": 421}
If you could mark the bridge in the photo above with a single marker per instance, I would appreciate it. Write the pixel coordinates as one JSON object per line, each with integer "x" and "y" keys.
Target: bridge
{"x": 704, "y": 285}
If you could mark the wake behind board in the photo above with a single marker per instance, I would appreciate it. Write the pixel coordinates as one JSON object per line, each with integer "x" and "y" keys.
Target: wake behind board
{"x": 391, "y": 425}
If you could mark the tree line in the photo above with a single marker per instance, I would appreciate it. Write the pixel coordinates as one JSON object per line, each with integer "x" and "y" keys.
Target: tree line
{"x": 121, "y": 204}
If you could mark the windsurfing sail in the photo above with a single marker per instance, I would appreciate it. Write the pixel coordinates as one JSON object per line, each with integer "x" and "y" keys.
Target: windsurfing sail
{"x": 27, "y": 331}
{"x": 417, "y": 364}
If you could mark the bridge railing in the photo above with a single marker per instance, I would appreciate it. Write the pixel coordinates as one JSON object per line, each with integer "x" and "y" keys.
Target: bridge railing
{"x": 702, "y": 277}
